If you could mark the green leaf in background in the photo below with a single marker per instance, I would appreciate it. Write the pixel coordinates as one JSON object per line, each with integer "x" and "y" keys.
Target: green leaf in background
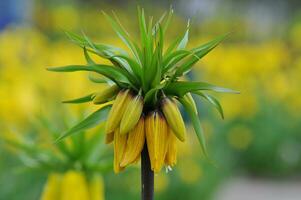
{"x": 182, "y": 87}
{"x": 89, "y": 122}
{"x": 83, "y": 99}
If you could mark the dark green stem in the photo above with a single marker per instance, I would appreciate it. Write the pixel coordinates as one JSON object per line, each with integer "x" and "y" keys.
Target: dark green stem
{"x": 147, "y": 176}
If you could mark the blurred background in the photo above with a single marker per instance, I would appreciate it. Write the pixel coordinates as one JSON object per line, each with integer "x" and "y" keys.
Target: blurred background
{"x": 256, "y": 150}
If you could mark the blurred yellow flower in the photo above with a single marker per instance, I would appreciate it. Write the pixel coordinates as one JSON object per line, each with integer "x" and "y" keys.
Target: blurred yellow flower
{"x": 240, "y": 137}
{"x": 73, "y": 185}
{"x": 193, "y": 175}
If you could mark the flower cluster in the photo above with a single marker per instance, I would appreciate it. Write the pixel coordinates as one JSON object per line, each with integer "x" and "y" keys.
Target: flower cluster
{"x": 144, "y": 85}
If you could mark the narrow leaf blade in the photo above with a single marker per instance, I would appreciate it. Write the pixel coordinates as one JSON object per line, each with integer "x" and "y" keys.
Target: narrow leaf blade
{"x": 89, "y": 122}
{"x": 83, "y": 99}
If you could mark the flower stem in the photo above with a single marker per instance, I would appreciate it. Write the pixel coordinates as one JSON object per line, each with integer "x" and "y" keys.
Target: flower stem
{"x": 147, "y": 176}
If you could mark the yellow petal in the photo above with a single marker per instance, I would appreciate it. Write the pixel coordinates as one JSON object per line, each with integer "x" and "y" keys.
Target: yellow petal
{"x": 132, "y": 114}
{"x": 119, "y": 149}
{"x": 96, "y": 188}
{"x": 117, "y": 110}
{"x": 161, "y": 143}
{"x": 171, "y": 155}
{"x": 51, "y": 190}
{"x": 74, "y": 186}
{"x": 150, "y": 133}
{"x": 156, "y": 137}
{"x": 135, "y": 143}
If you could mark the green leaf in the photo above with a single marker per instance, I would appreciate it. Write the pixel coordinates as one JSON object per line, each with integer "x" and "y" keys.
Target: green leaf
{"x": 154, "y": 74}
{"x": 158, "y": 24}
{"x": 213, "y": 101}
{"x": 184, "y": 41}
{"x": 88, "y": 58}
{"x": 168, "y": 20}
{"x": 95, "y": 79}
{"x": 83, "y": 99}
{"x": 123, "y": 35}
{"x": 173, "y": 58}
{"x": 150, "y": 94}
{"x": 182, "y": 87}
{"x": 99, "y": 49}
{"x": 199, "y": 52}
{"x": 142, "y": 27}
{"x": 91, "y": 121}
{"x": 135, "y": 67}
{"x": 172, "y": 46}
{"x": 196, "y": 125}
{"x": 115, "y": 74}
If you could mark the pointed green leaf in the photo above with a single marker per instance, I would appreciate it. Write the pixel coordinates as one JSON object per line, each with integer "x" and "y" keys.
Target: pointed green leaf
{"x": 184, "y": 41}
{"x": 168, "y": 20}
{"x": 135, "y": 67}
{"x": 182, "y": 87}
{"x": 88, "y": 58}
{"x": 157, "y": 24}
{"x": 196, "y": 124}
{"x": 122, "y": 33}
{"x": 91, "y": 121}
{"x": 199, "y": 52}
{"x": 115, "y": 74}
{"x": 150, "y": 94}
{"x": 173, "y": 58}
{"x": 83, "y": 99}
{"x": 95, "y": 79}
{"x": 213, "y": 101}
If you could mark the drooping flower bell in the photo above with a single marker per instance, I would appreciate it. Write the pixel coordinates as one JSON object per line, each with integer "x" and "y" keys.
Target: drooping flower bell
{"x": 143, "y": 91}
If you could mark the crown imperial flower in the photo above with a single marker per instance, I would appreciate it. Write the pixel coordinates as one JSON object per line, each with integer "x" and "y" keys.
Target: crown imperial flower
{"x": 147, "y": 83}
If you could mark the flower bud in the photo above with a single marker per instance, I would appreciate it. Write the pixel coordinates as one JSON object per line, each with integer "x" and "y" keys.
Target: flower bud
{"x": 174, "y": 118}
{"x": 190, "y": 99}
{"x": 156, "y": 138}
{"x": 117, "y": 110}
{"x": 131, "y": 114}
{"x": 105, "y": 95}
{"x": 135, "y": 143}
